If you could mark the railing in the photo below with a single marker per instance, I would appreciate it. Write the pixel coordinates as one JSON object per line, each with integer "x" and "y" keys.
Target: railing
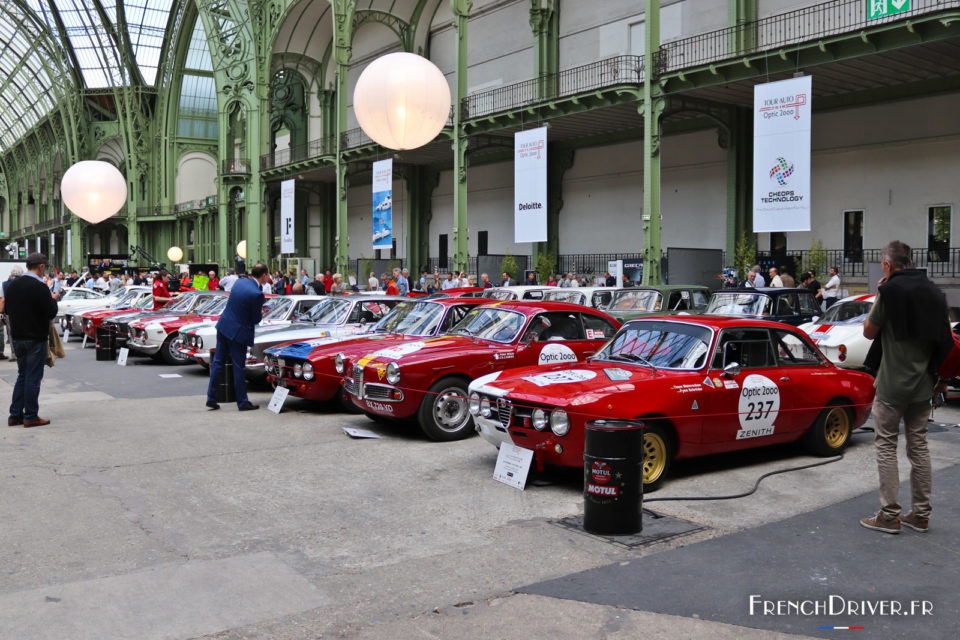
{"x": 355, "y": 138}
{"x": 50, "y": 224}
{"x": 195, "y": 205}
{"x": 298, "y": 153}
{"x": 592, "y": 263}
{"x": 619, "y": 70}
{"x": 940, "y": 262}
{"x": 236, "y": 166}
{"x": 793, "y": 27}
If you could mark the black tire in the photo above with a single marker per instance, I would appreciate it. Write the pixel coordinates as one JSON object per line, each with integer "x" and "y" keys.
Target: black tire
{"x": 444, "y": 413}
{"x": 657, "y": 456}
{"x": 169, "y": 354}
{"x": 830, "y": 433}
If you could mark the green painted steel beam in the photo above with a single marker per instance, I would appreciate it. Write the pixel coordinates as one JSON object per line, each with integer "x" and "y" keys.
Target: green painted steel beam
{"x": 461, "y": 15}
{"x": 652, "y": 108}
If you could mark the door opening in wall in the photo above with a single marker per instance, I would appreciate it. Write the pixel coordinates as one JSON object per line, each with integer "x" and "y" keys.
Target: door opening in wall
{"x": 442, "y": 261}
{"x": 482, "y": 239}
{"x": 853, "y": 236}
{"x": 938, "y": 232}
{"x": 778, "y": 243}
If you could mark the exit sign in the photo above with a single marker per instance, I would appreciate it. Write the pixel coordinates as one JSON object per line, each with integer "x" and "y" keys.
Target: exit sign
{"x": 886, "y": 8}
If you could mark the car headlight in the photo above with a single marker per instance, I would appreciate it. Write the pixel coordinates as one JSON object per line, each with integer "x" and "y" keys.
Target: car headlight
{"x": 559, "y": 423}
{"x": 393, "y": 373}
{"x": 474, "y": 406}
{"x": 307, "y": 371}
{"x": 485, "y": 407}
{"x": 339, "y": 361}
{"x": 539, "y": 419}
{"x": 298, "y": 370}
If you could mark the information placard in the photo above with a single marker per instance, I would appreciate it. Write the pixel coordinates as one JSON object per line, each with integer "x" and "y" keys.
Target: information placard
{"x": 122, "y": 358}
{"x": 277, "y": 399}
{"x": 513, "y": 465}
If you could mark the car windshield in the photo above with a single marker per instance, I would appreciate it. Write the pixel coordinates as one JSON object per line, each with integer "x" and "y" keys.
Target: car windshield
{"x": 77, "y": 294}
{"x": 562, "y": 295}
{"x": 420, "y": 319}
{"x": 143, "y": 302}
{"x": 182, "y": 303}
{"x": 853, "y": 312}
{"x": 214, "y": 307}
{"x": 500, "y": 294}
{"x": 276, "y": 308}
{"x": 499, "y": 325}
{"x": 330, "y": 311}
{"x": 739, "y": 304}
{"x": 126, "y": 296}
{"x": 664, "y": 345}
{"x": 635, "y": 300}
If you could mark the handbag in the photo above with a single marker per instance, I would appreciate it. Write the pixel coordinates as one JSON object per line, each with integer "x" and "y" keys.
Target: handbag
{"x": 54, "y": 347}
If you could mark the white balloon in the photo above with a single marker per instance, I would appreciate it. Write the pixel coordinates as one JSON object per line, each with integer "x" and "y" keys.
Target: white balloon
{"x": 94, "y": 190}
{"x": 402, "y": 101}
{"x": 175, "y": 254}
{"x": 242, "y": 249}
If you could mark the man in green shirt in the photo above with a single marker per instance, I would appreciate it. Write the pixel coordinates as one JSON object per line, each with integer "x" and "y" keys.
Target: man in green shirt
{"x": 908, "y": 317}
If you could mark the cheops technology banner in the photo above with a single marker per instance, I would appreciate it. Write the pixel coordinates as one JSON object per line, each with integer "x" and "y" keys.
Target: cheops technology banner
{"x": 781, "y": 155}
{"x": 383, "y": 204}
{"x": 530, "y": 185}
{"x": 287, "y": 243}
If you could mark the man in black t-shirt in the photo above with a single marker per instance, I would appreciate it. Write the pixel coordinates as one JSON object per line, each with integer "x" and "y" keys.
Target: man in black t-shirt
{"x": 812, "y": 284}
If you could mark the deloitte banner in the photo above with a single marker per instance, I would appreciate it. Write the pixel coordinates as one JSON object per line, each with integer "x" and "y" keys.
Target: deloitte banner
{"x": 781, "y": 155}
{"x": 287, "y": 244}
{"x": 383, "y": 204}
{"x": 530, "y": 185}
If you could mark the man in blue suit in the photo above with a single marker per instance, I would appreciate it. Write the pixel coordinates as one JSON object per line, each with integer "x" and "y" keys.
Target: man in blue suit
{"x": 235, "y": 333}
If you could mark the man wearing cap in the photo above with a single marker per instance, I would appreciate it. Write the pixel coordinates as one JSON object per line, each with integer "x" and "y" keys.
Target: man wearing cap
{"x": 235, "y": 331}
{"x": 30, "y": 307}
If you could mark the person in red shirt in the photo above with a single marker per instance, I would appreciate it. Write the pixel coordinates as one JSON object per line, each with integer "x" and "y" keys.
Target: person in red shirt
{"x": 392, "y": 288}
{"x": 328, "y": 280}
{"x": 214, "y": 282}
{"x": 161, "y": 295}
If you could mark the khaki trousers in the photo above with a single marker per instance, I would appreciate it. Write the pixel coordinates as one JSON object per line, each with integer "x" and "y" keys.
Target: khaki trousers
{"x": 886, "y": 418}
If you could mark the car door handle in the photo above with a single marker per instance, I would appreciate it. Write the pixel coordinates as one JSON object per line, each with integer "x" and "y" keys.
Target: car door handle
{"x": 785, "y": 379}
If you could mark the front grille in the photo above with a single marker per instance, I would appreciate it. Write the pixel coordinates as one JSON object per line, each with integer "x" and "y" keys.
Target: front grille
{"x": 376, "y": 391}
{"x": 357, "y": 374}
{"x": 351, "y": 386}
{"x": 504, "y": 412}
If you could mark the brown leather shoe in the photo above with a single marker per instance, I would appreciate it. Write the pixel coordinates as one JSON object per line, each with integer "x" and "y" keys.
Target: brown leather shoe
{"x": 12, "y": 422}
{"x": 917, "y": 523}
{"x": 880, "y": 522}
{"x": 39, "y": 422}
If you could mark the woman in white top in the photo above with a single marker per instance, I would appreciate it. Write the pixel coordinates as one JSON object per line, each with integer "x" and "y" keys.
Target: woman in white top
{"x": 373, "y": 284}
{"x": 337, "y": 286}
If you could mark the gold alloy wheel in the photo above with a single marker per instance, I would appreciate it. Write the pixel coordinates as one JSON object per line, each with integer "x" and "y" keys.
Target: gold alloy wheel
{"x": 654, "y": 457}
{"x": 836, "y": 427}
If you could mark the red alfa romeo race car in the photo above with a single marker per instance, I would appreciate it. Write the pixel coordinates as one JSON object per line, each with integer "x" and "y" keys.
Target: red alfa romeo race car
{"x": 312, "y": 369}
{"x": 701, "y": 385}
{"x": 428, "y": 378}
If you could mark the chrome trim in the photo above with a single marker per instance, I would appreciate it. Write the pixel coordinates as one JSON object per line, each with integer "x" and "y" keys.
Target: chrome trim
{"x": 380, "y": 392}
{"x": 504, "y": 411}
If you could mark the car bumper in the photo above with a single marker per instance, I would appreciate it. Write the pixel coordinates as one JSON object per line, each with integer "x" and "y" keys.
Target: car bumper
{"x": 383, "y": 399}
{"x": 492, "y": 431}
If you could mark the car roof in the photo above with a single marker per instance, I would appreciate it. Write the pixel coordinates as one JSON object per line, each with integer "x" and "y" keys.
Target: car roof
{"x": 717, "y": 322}
{"x": 531, "y": 307}
{"x": 451, "y": 301}
{"x": 767, "y": 290}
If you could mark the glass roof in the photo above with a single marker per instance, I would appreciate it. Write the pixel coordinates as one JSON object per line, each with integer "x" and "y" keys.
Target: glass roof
{"x": 40, "y": 40}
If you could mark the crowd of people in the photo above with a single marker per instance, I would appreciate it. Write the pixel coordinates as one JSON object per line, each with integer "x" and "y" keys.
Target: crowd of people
{"x": 827, "y": 294}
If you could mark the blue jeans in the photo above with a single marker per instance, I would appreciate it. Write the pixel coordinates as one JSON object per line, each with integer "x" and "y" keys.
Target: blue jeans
{"x": 238, "y": 355}
{"x": 31, "y": 356}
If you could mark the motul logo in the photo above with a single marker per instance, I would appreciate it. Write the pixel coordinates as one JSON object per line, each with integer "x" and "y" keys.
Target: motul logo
{"x": 602, "y": 491}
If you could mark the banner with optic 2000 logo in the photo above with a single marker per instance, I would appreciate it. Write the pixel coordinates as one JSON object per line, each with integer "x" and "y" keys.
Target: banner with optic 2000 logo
{"x": 781, "y": 155}
{"x": 530, "y": 185}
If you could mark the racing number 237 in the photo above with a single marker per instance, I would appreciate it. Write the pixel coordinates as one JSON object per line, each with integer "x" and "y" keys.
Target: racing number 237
{"x": 758, "y": 410}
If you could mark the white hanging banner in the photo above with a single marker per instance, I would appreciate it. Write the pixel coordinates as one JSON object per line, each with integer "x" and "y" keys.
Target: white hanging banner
{"x": 530, "y": 185}
{"x": 53, "y": 245}
{"x": 68, "y": 259}
{"x": 781, "y": 155}
{"x": 383, "y": 204}
{"x": 287, "y": 244}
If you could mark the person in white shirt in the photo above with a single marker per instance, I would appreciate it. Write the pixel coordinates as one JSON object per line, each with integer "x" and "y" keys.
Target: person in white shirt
{"x": 464, "y": 279}
{"x": 227, "y": 282}
{"x": 101, "y": 284}
{"x": 372, "y": 283}
{"x": 573, "y": 281}
{"x": 775, "y": 280}
{"x": 831, "y": 290}
{"x": 758, "y": 281}
{"x": 449, "y": 282}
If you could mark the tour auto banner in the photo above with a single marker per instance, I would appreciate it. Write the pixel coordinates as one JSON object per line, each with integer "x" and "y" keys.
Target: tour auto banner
{"x": 383, "y": 204}
{"x": 530, "y": 185}
{"x": 781, "y": 155}
{"x": 287, "y": 244}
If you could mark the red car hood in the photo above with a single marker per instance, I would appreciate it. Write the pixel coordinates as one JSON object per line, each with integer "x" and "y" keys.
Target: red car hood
{"x": 104, "y": 313}
{"x": 573, "y": 385}
{"x": 359, "y": 345}
{"x": 423, "y": 349}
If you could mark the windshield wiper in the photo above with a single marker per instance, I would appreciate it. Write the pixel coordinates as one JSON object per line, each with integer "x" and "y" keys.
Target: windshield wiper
{"x": 632, "y": 357}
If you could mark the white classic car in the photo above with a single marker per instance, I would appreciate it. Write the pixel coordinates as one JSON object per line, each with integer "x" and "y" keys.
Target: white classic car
{"x": 839, "y": 332}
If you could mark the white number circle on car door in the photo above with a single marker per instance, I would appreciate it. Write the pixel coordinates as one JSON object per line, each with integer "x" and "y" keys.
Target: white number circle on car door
{"x": 758, "y": 406}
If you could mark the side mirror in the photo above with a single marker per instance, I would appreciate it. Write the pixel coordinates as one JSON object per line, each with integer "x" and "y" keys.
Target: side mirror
{"x": 814, "y": 318}
{"x": 732, "y": 370}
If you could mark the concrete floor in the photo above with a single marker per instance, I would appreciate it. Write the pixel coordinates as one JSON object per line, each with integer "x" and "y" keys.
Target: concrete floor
{"x": 139, "y": 514}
